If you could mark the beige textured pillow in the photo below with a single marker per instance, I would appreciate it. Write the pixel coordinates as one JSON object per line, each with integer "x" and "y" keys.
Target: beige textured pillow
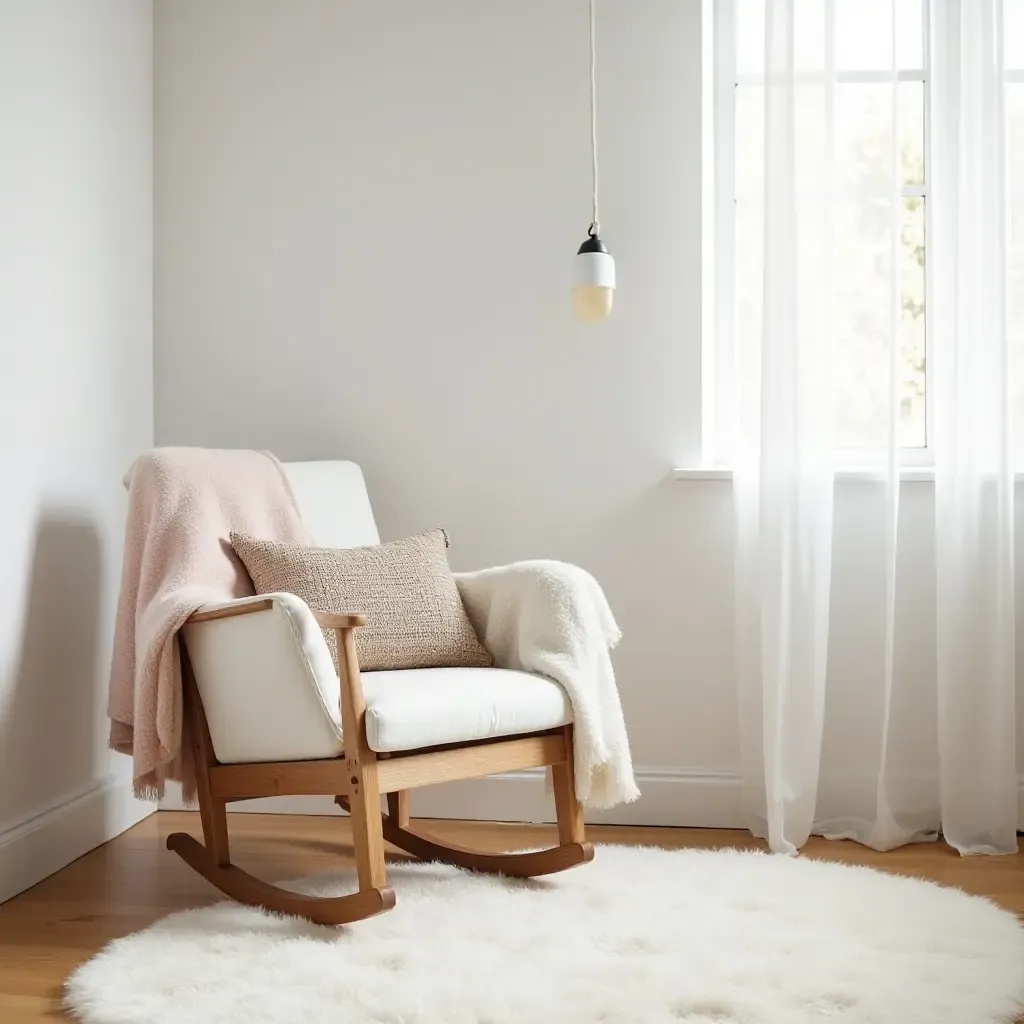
{"x": 414, "y": 614}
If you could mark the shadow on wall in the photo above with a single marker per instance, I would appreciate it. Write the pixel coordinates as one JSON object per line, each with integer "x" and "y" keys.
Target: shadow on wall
{"x": 48, "y": 741}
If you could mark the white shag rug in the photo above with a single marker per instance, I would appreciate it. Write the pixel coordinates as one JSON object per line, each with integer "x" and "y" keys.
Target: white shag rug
{"x": 639, "y": 935}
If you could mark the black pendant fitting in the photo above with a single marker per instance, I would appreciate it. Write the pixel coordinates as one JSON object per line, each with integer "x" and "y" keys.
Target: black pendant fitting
{"x": 593, "y": 243}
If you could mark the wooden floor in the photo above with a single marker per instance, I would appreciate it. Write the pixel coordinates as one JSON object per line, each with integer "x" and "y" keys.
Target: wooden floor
{"x": 132, "y": 881}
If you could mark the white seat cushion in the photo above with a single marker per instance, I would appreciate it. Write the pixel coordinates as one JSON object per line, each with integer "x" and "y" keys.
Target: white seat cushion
{"x": 426, "y": 707}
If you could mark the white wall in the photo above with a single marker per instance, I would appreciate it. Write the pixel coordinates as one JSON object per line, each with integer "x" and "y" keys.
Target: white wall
{"x": 365, "y": 222}
{"x": 75, "y": 407}
{"x": 365, "y": 219}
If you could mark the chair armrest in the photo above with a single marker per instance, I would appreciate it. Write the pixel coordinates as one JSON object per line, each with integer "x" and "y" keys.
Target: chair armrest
{"x": 338, "y": 620}
{"x": 259, "y": 603}
{"x": 228, "y": 609}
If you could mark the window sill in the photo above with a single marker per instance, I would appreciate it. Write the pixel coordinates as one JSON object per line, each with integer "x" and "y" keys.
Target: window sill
{"x": 855, "y": 474}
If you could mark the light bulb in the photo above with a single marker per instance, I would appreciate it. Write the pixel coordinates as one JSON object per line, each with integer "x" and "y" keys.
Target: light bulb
{"x": 593, "y": 281}
{"x": 590, "y": 305}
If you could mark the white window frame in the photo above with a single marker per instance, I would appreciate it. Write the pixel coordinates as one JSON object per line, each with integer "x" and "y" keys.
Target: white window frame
{"x": 720, "y": 80}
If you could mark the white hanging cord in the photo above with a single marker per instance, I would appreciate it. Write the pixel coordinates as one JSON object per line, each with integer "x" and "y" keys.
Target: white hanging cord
{"x": 595, "y": 226}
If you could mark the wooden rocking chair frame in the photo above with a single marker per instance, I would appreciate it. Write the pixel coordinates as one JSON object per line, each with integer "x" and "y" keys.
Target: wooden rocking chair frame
{"x": 356, "y": 779}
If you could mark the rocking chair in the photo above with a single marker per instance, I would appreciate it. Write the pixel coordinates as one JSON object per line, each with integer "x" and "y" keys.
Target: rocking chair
{"x": 270, "y": 717}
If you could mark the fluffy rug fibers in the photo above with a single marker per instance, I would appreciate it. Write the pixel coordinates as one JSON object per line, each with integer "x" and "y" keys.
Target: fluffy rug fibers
{"x": 640, "y": 935}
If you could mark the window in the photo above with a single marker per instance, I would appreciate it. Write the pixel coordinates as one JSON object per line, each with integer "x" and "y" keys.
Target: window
{"x": 881, "y": 120}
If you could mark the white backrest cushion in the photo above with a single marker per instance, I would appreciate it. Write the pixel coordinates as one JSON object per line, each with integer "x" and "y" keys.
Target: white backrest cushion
{"x": 334, "y": 504}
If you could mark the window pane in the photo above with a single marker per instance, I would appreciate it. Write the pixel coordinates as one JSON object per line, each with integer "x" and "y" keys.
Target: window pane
{"x": 912, "y": 431}
{"x": 1013, "y": 15}
{"x": 864, "y": 135}
{"x": 749, "y": 263}
{"x": 750, "y": 143}
{"x": 808, "y": 42}
{"x": 910, "y": 127}
{"x": 863, "y": 321}
{"x": 1015, "y": 110}
{"x": 864, "y": 34}
{"x": 750, "y": 37}
{"x": 809, "y": 126}
{"x": 809, "y": 35}
{"x": 863, "y": 296}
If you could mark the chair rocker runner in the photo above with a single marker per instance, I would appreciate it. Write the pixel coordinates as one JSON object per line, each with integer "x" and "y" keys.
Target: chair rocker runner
{"x": 356, "y": 778}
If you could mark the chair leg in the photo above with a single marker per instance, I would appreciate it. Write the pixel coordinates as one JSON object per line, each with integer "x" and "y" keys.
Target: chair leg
{"x": 213, "y": 813}
{"x": 367, "y": 826}
{"x": 212, "y": 810}
{"x": 361, "y": 761}
{"x": 568, "y": 810}
{"x": 398, "y": 808}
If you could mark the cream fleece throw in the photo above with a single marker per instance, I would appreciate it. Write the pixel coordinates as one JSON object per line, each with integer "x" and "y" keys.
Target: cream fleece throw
{"x": 553, "y": 618}
{"x": 182, "y": 504}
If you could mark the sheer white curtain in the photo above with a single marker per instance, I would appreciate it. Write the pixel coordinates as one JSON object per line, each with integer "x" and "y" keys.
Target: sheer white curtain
{"x": 973, "y": 452}
{"x": 962, "y": 777}
{"x": 783, "y": 450}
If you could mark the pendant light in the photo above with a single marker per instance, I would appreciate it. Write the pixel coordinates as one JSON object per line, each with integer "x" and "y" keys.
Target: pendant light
{"x": 593, "y": 271}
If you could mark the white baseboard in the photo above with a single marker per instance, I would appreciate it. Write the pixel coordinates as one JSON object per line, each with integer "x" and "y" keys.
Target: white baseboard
{"x": 35, "y": 846}
{"x": 695, "y": 797}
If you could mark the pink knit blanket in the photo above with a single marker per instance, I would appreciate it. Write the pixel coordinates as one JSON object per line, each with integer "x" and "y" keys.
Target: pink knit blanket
{"x": 182, "y": 504}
